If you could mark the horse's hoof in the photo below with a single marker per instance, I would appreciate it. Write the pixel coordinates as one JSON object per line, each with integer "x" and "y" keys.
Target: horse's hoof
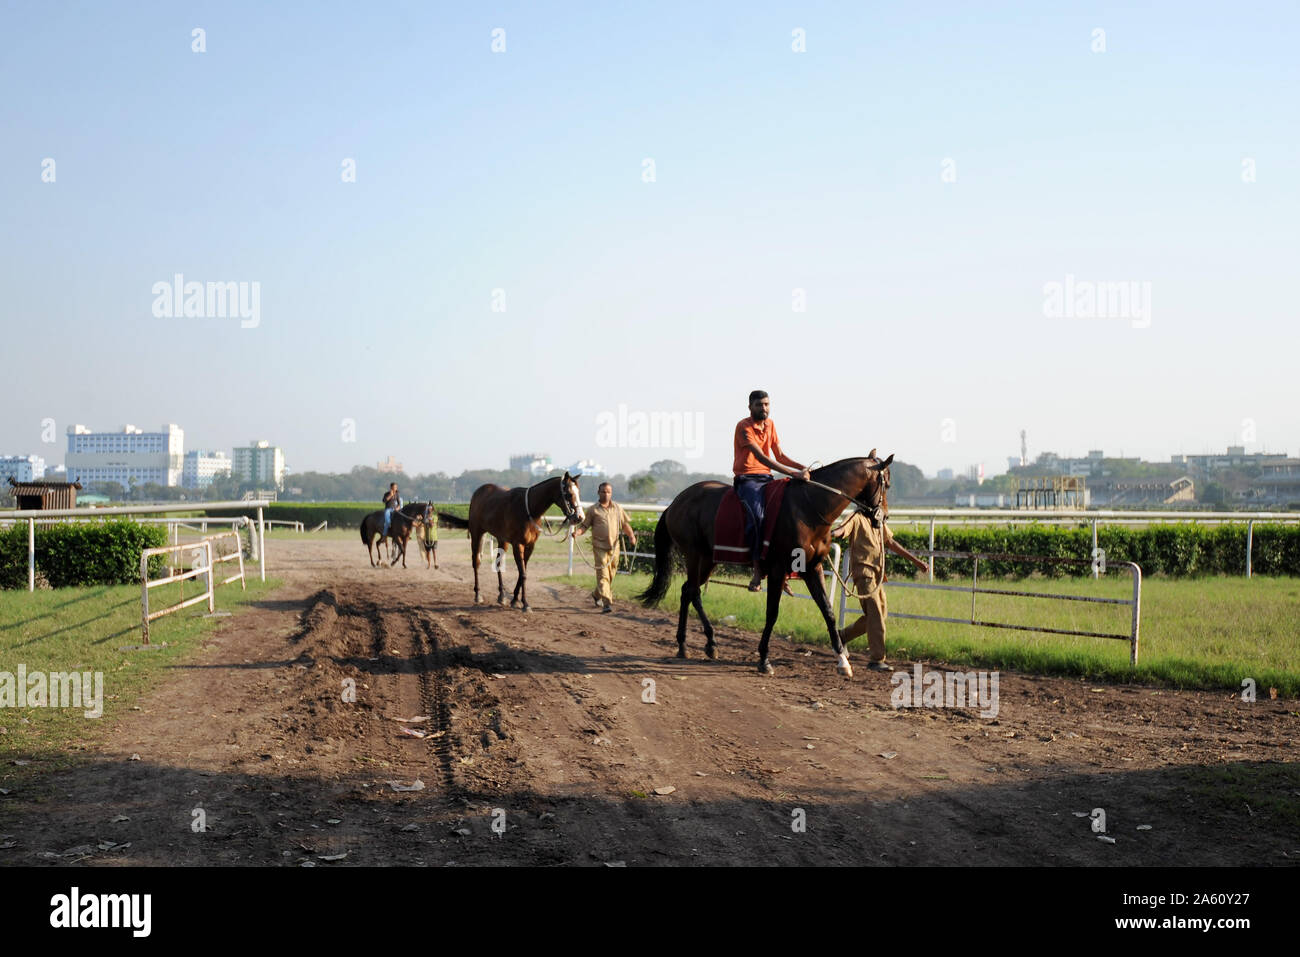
{"x": 514, "y": 602}
{"x": 681, "y": 651}
{"x": 478, "y": 600}
{"x": 843, "y": 667}
{"x": 527, "y": 608}
{"x": 765, "y": 668}
{"x": 710, "y": 652}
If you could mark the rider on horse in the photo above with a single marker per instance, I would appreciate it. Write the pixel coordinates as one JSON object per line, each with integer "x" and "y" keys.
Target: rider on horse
{"x": 392, "y": 502}
{"x": 757, "y": 453}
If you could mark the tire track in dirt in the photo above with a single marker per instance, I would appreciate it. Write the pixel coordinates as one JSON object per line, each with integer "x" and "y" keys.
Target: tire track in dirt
{"x": 542, "y": 717}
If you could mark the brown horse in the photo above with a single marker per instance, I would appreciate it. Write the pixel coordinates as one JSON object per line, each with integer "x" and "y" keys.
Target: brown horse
{"x": 406, "y": 519}
{"x": 800, "y": 540}
{"x": 511, "y": 516}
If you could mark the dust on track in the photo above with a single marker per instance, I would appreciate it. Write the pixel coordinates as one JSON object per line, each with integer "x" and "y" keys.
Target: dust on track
{"x": 537, "y": 724}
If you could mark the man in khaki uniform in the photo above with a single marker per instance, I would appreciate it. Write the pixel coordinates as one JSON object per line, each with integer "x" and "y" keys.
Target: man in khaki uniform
{"x": 867, "y": 568}
{"x": 606, "y": 520}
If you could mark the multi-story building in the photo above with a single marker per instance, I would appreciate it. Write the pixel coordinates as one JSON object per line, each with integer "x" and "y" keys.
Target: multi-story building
{"x": 131, "y": 456}
{"x": 260, "y": 463}
{"x": 202, "y": 466}
{"x": 588, "y": 467}
{"x": 22, "y": 468}
{"x": 535, "y": 463}
{"x": 391, "y": 466}
{"x": 1234, "y": 457}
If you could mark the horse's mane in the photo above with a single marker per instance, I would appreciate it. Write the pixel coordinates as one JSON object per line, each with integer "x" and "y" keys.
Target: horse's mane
{"x": 851, "y": 458}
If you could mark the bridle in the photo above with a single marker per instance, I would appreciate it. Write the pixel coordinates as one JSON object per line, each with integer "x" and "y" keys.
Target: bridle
{"x": 874, "y": 513}
{"x": 570, "y": 514}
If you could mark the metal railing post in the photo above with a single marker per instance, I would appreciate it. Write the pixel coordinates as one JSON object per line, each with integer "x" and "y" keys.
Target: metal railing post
{"x": 212, "y": 580}
{"x": 1137, "y": 609}
{"x": 835, "y": 582}
{"x": 261, "y": 534}
{"x": 1250, "y": 540}
{"x": 144, "y": 595}
{"x": 931, "y": 548}
{"x": 844, "y": 595}
{"x": 31, "y": 554}
{"x": 1096, "y": 569}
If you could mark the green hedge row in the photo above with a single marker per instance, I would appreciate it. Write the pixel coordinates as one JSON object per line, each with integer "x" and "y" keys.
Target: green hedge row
{"x": 80, "y": 553}
{"x": 1173, "y": 550}
{"x": 338, "y": 514}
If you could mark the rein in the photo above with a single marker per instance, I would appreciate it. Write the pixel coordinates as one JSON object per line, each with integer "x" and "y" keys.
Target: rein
{"x": 867, "y": 509}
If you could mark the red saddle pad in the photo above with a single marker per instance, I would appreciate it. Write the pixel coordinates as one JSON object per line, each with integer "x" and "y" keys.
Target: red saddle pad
{"x": 729, "y": 524}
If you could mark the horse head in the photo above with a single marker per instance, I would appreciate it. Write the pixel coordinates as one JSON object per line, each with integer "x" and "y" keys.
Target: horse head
{"x": 569, "y": 502}
{"x": 877, "y": 508}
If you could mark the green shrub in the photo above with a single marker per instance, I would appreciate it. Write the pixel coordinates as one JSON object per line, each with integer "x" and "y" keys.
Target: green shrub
{"x": 80, "y": 553}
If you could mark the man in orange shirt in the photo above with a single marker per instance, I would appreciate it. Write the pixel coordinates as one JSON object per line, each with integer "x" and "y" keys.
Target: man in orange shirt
{"x": 758, "y": 452}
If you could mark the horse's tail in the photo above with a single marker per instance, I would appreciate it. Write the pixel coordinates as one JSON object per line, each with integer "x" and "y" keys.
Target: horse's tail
{"x": 453, "y": 521}
{"x": 663, "y": 565}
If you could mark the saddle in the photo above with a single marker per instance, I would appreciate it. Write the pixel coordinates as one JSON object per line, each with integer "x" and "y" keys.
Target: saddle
{"x": 730, "y": 544}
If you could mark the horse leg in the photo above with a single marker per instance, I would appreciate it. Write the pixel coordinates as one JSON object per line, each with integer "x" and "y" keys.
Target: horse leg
{"x": 402, "y": 543}
{"x": 523, "y": 575}
{"x": 499, "y": 560}
{"x": 475, "y": 546}
{"x": 701, "y": 578}
{"x": 817, "y": 589}
{"x": 774, "y": 580}
{"x": 521, "y": 564}
{"x": 682, "y": 612}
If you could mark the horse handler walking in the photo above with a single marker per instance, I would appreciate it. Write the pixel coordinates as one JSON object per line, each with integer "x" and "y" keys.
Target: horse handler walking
{"x": 605, "y": 519}
{"x": 867, "y": 568}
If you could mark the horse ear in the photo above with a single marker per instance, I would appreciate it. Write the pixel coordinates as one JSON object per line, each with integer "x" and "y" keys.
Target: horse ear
{"x": 871, "y": 454}
{"x": 885, "y": 464}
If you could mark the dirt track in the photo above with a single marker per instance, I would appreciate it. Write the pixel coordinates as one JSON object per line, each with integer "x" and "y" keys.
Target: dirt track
{"x": 541, "y": 716}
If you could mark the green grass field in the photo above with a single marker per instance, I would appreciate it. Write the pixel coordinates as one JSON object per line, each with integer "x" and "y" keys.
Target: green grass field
{"x": 1195, "y": 633}
{"x": 85, "y": 629}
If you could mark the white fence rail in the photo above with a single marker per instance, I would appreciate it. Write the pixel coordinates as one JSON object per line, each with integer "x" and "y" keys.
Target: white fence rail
{"x": 973, "y": 590}
{"x": 1094, "y": 517}
{"x": 201, "y": 567}
{"x": 32, "y": 516}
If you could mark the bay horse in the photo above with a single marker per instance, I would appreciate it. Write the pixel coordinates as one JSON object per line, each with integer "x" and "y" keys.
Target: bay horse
{"x": 801, "y": 539}
{"x": 510, "y": 515}
{"x": 405, "y": 519}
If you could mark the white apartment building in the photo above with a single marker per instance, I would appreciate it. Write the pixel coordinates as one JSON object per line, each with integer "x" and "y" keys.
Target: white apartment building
{"x": 202, "y": 466}
{"x": 260, "y": 463}
{"x": 22, "y": 468}
{"x": 130, "y": 455}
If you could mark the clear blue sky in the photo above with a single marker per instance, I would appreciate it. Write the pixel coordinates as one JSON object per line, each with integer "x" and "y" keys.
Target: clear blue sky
{"x": 775, "y": 170}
